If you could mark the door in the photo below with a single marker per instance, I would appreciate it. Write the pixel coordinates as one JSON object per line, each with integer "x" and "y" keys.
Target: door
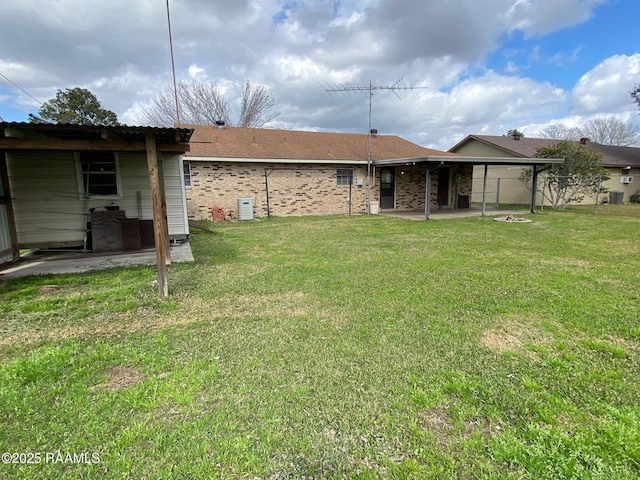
{"x": 387, "y": 188}
{"x": 444, "y": 174}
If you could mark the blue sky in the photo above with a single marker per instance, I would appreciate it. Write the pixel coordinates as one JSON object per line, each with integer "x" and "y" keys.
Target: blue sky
{"x": 488, "y": 65}
{"x": 562, "y": 57}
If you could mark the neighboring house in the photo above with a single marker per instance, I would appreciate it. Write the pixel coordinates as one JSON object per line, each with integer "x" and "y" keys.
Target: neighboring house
{"x": 90, "y": 187}
{"x": 285, "y": 172}
{"x": 504, "y": 186}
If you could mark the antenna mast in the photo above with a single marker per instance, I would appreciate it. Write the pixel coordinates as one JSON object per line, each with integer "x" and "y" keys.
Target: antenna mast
{"x": 369, "y": 89}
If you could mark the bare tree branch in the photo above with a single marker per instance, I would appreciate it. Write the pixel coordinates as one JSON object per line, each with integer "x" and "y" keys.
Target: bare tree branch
{"x": 203, "y": 103}
{"x": 256, "y": 106}
{"x": 611, "y": 131}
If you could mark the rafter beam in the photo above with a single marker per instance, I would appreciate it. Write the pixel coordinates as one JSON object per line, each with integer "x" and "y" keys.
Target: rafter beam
{"x": 78, "y": 145}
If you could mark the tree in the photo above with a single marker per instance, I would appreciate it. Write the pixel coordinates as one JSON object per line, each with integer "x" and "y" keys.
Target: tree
{"x": 606, "y": 131}
{"x": 611, "y": 131}
{"x": 204, "y": 103}
{"x": 515, "y": 133}
{"x": 580, "y": 175}
{"x": 559, "y": 131}
{"x": 635, "y": 94}
{"x": 76, "y": 106}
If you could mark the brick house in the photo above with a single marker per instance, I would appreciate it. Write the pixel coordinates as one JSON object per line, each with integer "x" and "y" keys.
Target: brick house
{"x": 286, "y": 172}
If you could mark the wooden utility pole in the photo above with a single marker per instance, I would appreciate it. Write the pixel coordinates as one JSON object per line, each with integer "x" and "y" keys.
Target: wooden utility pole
{"x": 160, "y": 226}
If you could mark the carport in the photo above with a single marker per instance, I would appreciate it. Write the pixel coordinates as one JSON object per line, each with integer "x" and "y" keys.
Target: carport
{"x": 432, "y": 164}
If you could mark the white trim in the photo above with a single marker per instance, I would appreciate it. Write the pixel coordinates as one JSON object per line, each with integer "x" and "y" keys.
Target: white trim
{"x": 273, "y": 160}
{"x": 184, "y": 193}
{"x": 391, "y": 161}
{"x": 82, "y": 194}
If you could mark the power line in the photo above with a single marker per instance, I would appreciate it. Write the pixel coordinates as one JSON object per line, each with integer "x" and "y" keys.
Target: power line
{"x": 173, "y": 66}
{"x": 19, "y": 87}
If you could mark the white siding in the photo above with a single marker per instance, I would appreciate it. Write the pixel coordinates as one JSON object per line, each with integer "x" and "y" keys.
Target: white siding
{"x": 49, "y": 210}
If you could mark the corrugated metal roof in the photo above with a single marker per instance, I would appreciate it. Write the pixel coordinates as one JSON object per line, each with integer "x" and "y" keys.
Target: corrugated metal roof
{"x": 90, "y": 132}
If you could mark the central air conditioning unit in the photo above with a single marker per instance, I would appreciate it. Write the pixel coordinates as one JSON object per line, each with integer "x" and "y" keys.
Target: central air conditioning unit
{"x": 626, "y": 179}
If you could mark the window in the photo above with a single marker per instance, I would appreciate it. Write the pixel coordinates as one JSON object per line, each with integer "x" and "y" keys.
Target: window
{"x": 345, "y": 176}
{"x": 99, "y": 173}
{"x": 186, "y": 171}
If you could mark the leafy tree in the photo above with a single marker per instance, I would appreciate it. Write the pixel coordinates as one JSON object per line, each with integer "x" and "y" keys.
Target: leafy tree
{"x": 580, "y": 175}
{"x": 76, "y": 106}
{"x": 204, "y": 103}
{"x": 515, "y": 133}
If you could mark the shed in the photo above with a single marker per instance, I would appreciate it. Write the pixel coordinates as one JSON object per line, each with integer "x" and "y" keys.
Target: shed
{"x": 56, "y": 179}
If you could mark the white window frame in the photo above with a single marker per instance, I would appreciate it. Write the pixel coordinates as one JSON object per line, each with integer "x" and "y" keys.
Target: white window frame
{"x": 186, "y": 175}
{"x": 81, "y": 186}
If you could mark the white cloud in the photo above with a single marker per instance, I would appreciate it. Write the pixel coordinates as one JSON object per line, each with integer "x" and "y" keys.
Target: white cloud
{"x": 119, "y": 50}
{"x": 606, "y": 88}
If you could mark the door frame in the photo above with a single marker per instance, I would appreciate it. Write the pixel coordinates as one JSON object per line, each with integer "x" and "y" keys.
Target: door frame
{"x": 447, "y": 185}
{"x": 392, "y": 170}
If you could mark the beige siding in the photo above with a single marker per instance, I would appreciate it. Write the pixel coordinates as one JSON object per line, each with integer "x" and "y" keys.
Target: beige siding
{"x": 49, "y": 210}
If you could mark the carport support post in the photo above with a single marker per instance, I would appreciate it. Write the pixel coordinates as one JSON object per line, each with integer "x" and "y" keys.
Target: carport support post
{"x": 484, "y": 190}
{"x": 427, "y": 195}
{"x": 160, "y": 226}
{"x": 534, "y": 188}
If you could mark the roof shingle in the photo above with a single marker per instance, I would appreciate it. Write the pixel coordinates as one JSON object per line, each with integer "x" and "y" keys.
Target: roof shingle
{"x": 269, "y": 144}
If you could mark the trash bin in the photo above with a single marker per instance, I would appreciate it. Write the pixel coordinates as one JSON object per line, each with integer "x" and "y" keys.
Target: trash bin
{"x": 616, "y": 197}
{"x": 374, "y": 208}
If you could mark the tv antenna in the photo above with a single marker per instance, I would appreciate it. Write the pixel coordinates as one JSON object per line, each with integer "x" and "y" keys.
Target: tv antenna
{"x": 369, "y": 89}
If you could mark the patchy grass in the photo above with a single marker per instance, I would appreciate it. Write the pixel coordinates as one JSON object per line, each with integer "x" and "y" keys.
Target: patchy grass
{"x": 334, "y": 347}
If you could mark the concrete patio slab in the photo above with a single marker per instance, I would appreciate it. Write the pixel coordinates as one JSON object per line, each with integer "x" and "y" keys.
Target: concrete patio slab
{"x": 57, "y": 262}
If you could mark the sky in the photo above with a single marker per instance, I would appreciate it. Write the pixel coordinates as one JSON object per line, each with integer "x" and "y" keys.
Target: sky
{"x": 460, "y": 67}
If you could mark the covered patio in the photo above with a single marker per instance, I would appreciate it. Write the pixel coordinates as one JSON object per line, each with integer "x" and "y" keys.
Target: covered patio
{"x": 426, "y": 201}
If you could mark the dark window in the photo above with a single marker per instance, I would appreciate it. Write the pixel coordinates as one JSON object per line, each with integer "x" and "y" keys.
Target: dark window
{"x": 186, "y": 170}
{"x": 99, "y": 173}
{"x": 345, "y": 176}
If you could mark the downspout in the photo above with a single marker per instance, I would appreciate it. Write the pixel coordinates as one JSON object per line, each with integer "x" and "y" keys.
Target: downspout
{"x": 427, "y": 196}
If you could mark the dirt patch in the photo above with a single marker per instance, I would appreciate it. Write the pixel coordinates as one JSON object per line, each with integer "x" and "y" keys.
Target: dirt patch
{"x": 49, "y": 289}
{"x": 121, "y": 377}
{"x": 514, "y": 336}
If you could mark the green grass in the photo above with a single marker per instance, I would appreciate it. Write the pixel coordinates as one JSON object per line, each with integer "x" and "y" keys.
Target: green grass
{"x": 334, "y": 347}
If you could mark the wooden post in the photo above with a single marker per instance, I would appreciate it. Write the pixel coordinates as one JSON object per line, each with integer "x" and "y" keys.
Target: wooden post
{"x": 160, "y": 227}
{"x": 5, "y": 199}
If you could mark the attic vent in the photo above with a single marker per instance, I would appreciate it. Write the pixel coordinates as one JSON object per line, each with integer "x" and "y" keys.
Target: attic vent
{"x": 220, "y": 124}
{"x": 374, "y": 132}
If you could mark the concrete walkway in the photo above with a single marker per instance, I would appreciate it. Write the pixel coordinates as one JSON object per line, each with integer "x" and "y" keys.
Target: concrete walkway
{"x": 452, "y": 213}
{"x": 46, "y": 263}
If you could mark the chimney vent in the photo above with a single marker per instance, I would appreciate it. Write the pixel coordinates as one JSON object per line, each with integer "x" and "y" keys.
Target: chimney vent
{"x": 584, "y": 140}
{"x": 220, "y": 124}
{"x": 374, "y": 132}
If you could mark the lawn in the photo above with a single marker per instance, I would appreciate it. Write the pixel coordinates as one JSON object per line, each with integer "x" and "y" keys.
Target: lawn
{"x": 337, "y": 347}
